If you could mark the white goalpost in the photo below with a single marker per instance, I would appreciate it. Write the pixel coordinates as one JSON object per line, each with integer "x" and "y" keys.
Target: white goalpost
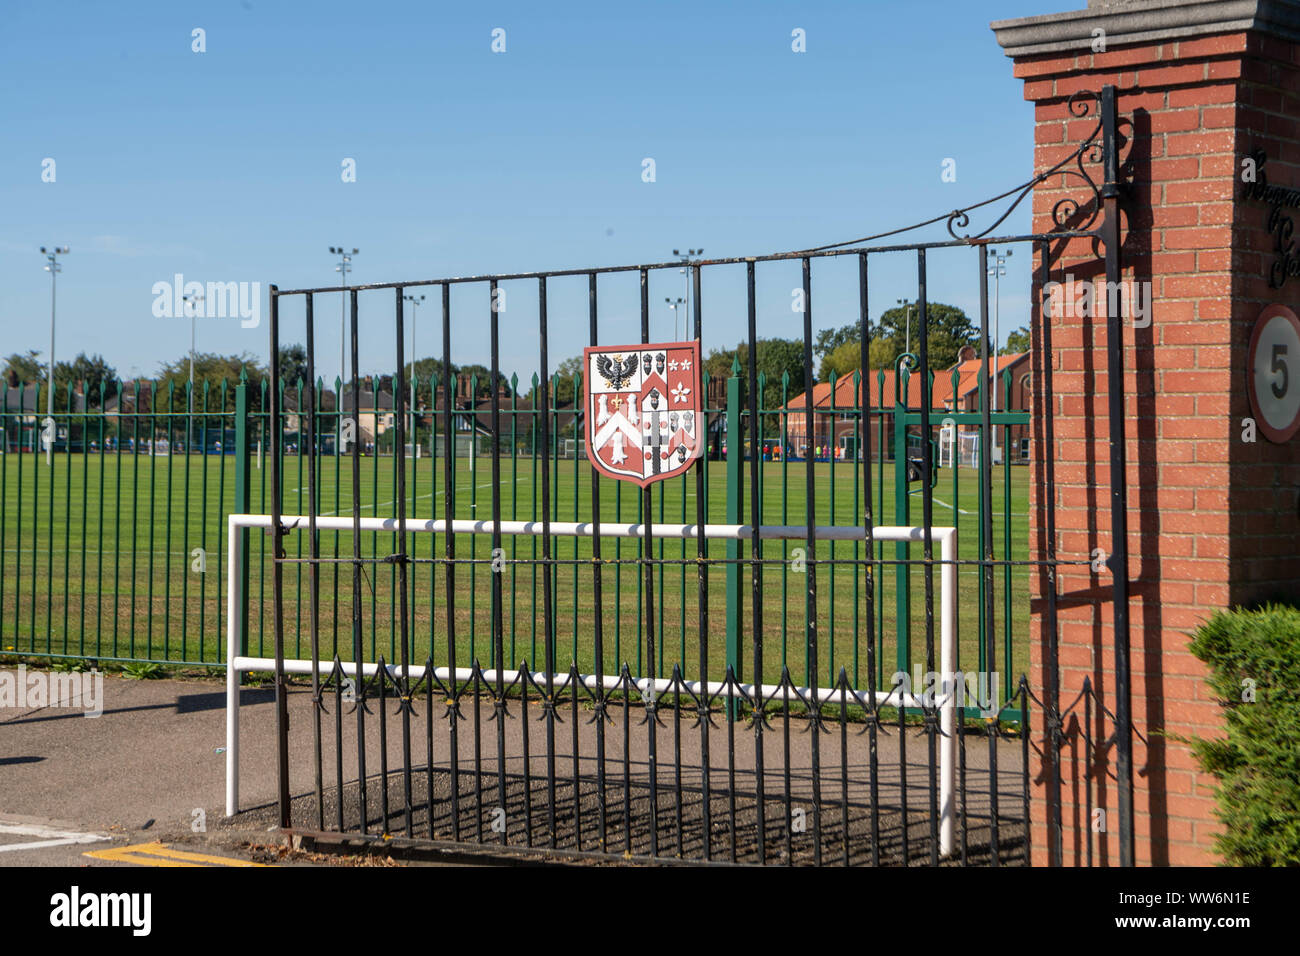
{"x": 969, "y": 454}
{"x": 958, "y": 447}
{"x": 948, "y": 696}
{"x": 947, "y": 444}
{"x": 569, "y": 448}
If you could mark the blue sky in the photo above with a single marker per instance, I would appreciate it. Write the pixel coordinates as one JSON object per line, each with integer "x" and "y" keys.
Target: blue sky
{"x": 225, "y": 165}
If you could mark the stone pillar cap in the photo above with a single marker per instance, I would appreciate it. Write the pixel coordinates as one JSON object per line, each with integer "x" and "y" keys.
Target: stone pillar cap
{"x": 1145, "y": 21}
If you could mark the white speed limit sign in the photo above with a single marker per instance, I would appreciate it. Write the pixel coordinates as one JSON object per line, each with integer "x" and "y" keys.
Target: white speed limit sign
{"x": 1273, "y": 373}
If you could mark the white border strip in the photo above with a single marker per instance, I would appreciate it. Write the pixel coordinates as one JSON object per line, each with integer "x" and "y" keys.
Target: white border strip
{"x": 946, "y": 537}
{"x": 585, "y": 529}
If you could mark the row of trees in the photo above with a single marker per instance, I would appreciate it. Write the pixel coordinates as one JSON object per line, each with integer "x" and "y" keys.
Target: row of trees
{"x": 27, "y": 368}
{"x": 836, "y": 352}
{"x": 950, "y": 330}
{"x": 100, "y": 384}
{"x": 99, "y": 381}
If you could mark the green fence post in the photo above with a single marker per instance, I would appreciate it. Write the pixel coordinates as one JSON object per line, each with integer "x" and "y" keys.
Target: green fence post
{"x": 902, "y": 572}
{"x": 735, "y": 460}
{"x": 241, "y": 505}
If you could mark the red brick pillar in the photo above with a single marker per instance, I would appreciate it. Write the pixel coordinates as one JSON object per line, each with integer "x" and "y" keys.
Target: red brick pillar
{"x": 1213, "y": 520}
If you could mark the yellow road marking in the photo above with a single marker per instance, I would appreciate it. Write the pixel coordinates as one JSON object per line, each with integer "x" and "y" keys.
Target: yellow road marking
{"x": 122, "y": 855}
{"x": 158, "y": 854}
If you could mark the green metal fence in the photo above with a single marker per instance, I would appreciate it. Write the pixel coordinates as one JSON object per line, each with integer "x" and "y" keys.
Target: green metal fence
{"x": 106, "y": 515}
{"x": 115, "y": 549}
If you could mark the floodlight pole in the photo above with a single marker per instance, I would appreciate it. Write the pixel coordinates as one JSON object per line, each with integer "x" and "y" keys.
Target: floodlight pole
{"x": 53, "y": 268}
{"x": 192, "y": 304}
{"x": 907, "y": 342}
{"x": 676, "y": 306}
{"x": 997, "y": 271}
{"x": 686, "y": 272}
{"x": 343, "y": 268}
{"x": 415, "y": 304}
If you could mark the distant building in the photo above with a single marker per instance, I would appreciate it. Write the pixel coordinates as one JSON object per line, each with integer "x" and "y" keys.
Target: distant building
{"x": 372, "y": 411}
{"x": 955, "y": 389}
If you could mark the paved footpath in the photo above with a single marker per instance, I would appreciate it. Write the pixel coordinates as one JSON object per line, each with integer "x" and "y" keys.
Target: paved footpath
{"x": 143, "y": 784}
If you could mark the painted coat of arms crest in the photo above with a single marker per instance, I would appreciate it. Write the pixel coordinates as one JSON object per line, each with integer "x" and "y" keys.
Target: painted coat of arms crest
{"x": 644, "y": 411}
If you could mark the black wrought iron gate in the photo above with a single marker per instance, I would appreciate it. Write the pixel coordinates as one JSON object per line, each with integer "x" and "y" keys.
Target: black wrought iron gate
{"x": 727, "y": 756}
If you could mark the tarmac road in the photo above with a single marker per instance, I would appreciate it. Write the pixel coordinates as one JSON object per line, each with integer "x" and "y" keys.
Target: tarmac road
{"x": 151, "y": 769}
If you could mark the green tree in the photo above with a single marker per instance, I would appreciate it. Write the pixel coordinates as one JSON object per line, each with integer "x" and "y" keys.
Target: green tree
{"x": 293, "y": 365}
{"x": 1017, "y": 342}
{"x": 828, "y": 340}
{"x": 479, "y": 375}
{"x": 211, "y": 370}
{"x": 482, "y": 377}
{"x": 30, "y": 372}
{"x": 24, "y": 369}
{"x": 563, "y": 381}
{"x": 567, "y": 372}
{"x": 88, "y": 373}
{"x": 92, "y": 372}
{"x": 426, "y": 369}
{"x": 949, "y": 330}
{"x": 847, "y": 358}
{"x": 775, "y": 358}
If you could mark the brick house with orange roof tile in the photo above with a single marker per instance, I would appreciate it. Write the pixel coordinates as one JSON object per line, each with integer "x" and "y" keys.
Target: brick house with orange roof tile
{"x": 835, "y": 421}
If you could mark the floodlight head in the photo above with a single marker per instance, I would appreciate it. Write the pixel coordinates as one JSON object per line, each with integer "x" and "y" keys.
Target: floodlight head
{"x": 676, "y": 253}
{"x": 355, "y": 250}
{"x": 42, "y": 248}
{"x": 1009, "y": 251}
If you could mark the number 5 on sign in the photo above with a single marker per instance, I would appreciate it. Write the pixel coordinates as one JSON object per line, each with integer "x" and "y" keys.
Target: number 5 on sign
{"x": 1273, "y": 373}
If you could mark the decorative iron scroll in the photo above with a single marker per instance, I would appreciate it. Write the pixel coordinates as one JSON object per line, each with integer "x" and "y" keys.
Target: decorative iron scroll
{"x": 1064, "y": 209}
{"x": 1090, "y": 150}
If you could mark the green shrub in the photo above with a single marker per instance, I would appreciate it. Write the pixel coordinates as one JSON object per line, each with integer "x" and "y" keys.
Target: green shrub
{"x": 1255, "y": 654}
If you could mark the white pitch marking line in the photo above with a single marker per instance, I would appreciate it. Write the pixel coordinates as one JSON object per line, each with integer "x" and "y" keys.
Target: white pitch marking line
{"x": 55, "y": 837}
{"x": 940, "y": 501}
{"x": 486, "y": 484}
